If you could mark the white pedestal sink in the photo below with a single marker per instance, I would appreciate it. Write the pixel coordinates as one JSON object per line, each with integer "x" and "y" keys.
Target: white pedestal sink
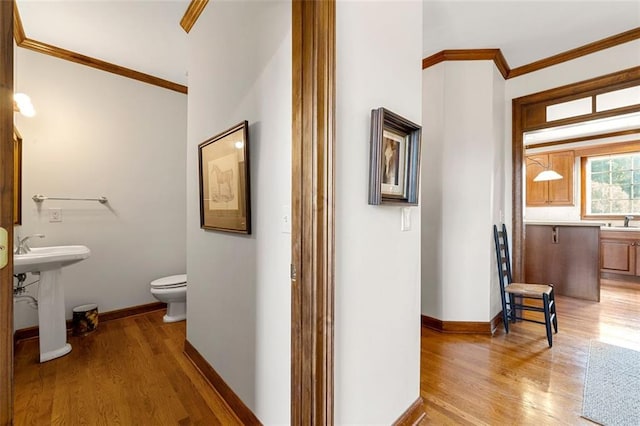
{"x": 48, "y": 261}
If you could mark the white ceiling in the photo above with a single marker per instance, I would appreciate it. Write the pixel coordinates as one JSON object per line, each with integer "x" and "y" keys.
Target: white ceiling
{"x": 525, "y": 31}
{"x": 145, "y": 35}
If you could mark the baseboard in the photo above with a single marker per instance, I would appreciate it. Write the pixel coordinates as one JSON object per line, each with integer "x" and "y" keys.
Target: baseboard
{"x": 234, "y": 402}
{"x": 413, "y": 415}
{"x": 131, "y": 311}
{"x": 462, "y": 327}
{"x": 496, "y": 322}
{"x": 620, "y": 279}
{"x": 33, "y": 332}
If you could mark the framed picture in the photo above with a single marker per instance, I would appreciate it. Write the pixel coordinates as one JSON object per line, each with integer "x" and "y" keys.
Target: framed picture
{"x": 225, "y": 202}
{"x": 17, "y": 177}
{"x": 394, "y": 168}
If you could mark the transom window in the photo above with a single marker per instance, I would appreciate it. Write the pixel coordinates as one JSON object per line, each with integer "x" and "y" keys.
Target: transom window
{"x": 613, "y": 185}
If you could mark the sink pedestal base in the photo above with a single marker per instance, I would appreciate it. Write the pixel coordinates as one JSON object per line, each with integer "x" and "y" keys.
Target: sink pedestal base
{"x": 51, "y": 318}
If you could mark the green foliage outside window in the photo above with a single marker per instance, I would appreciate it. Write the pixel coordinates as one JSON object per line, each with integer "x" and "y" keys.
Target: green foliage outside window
{"x": 613, "y": 187}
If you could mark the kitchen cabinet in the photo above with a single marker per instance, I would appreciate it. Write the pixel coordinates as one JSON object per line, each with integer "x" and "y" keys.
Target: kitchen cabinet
{"x": 567, "y": 256}
{"x": 554, "y": 192}
{"x": 620, "y": 252}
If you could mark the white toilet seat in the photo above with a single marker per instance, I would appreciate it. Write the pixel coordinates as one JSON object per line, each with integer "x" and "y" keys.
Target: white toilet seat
{"x": 170, "y": 281}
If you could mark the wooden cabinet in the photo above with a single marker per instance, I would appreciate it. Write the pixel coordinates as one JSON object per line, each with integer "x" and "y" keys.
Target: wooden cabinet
{"x": 618, "y": 256}
{"x": 620, "y": 252}
{"x": 555, "y": 192}
{"x": 566, "y": 256}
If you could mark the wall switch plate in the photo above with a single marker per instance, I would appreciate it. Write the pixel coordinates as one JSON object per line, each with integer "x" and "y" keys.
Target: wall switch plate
{"x": 55, "y": 215}
{"x": 405, "y": 224}
{"x": 285, "y": 221}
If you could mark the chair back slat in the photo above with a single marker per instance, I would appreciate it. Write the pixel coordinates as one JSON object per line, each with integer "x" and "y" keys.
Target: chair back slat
{"x": 507, "y": 257}
{"x": 502, "y": 256}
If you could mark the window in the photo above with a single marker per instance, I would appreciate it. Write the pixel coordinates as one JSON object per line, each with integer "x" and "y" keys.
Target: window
{"x": 591, "y": 104}
{"x": 613, "y": 185}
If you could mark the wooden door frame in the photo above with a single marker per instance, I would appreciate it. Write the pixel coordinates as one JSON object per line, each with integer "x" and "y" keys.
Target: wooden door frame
{"x": 6, "y": 212}
{"x": 529, "y": 113}
{"x": 312, "y": 251}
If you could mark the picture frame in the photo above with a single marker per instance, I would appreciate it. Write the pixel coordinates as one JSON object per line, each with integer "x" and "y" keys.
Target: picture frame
{"x": 17, "y": 177}
{"x": 394, "y": 166}
{"x": 225, "y": 200}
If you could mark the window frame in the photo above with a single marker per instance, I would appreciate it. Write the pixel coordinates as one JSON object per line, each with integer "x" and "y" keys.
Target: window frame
{"x": 600, "y": 151}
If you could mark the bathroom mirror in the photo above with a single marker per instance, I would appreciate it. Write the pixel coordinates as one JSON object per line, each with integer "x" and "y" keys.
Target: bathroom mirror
{"x": 17, "y": 177}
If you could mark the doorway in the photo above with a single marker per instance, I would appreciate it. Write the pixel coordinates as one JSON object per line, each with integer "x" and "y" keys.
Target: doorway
{"x": 530, "y": 114}
{"x": 312, "y": 244}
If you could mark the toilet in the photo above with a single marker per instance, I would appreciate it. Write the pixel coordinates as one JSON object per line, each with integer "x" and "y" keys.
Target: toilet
{"x": 172, "y": 290}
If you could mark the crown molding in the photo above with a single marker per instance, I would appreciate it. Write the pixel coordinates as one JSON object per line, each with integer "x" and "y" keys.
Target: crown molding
{"x": 192, "y": 14}
{"x": 494, "y": 55}
{"x": 498, "y": 58}
{"x": 37, "y": 46}
{"x": 587, "y": 49}
{"x": 18, "y": 29}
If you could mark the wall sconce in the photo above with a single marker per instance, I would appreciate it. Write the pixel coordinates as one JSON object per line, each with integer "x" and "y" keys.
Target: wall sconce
{"x": 545, "y": 175}
{"x": 22, "y": 104}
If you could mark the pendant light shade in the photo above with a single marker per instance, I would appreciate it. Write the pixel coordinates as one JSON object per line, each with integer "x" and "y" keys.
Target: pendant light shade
{"x": 546, "y": 175}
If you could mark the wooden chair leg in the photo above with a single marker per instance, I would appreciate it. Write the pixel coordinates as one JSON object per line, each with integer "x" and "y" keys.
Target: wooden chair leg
{"x": 547, "y": 318}
{"x": 512, "y": 304}
{"x": 553, "y": 311}
{"x": 505, "y": 315}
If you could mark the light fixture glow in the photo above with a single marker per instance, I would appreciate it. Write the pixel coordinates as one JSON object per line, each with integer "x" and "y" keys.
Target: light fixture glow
{"x": 23, "y": 104}
{"x": 547, "y": 175}
{"x": 239, "y": 144}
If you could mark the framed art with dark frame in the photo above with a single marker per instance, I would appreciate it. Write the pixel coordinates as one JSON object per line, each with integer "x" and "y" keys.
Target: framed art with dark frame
{"x": 17, "y": 177}
{"x": 394, "y": 167}
{"x": 225, "y": 202}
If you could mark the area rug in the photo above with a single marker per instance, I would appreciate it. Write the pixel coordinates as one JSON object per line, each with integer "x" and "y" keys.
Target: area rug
{"x": 612, "y": 385}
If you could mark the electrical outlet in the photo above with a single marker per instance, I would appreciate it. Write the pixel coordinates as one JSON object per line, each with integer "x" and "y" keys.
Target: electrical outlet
{"x": 55, "y": 215}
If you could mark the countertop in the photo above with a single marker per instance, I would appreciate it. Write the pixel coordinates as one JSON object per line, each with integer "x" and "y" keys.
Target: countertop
{"x": 620, "y": 228}
{"x": 602, "y": 226}
{"x": 567, "y": 223}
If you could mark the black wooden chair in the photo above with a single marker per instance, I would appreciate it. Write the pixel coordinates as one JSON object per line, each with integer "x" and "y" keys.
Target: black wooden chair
{"x": 516, "y": 297}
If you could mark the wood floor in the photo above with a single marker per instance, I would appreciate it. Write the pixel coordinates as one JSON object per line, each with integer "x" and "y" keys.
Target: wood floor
{"x": 516, "y": 378}
{"x": 128, "y": 372}
{"x": 133, "y": 372}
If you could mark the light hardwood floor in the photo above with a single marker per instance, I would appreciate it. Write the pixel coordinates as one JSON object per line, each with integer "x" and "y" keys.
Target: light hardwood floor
{"x": 133, "y": 372}
{"x": 516, "y": 378}
{"x": 128, "y": 372}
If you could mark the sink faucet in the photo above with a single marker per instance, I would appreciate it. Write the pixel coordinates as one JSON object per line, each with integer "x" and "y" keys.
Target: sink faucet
{"x": 23, "y": 247}
{"x": 626, "y": 221}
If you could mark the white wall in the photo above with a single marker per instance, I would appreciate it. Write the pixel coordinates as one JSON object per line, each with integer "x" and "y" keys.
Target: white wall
{"x": 377, "y": 311}
{"x": 99, "y": 134}
{"x": 499, "y": 178}
{"x": 239, "y": 290}
{"x": 431, "y": 188}
{"x": 465, "y": 185}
